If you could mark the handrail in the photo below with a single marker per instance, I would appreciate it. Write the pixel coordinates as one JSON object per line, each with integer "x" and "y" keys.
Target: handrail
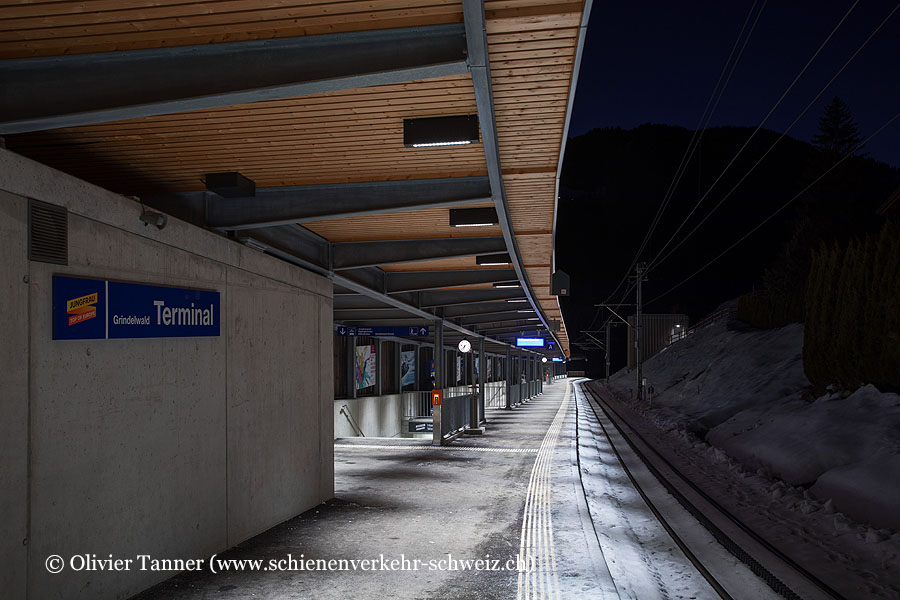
{"x": 345, "y": 410}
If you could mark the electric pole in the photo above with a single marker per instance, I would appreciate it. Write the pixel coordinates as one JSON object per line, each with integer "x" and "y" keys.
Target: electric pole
{"x": 607, "y": 352}
{"x": 640, "y": 278}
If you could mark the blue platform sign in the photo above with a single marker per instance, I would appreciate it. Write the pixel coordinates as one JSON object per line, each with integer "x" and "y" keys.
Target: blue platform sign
{"x": 530, "y": 342}
{"x": 86, "y": 309}
{"x": 408, "y": 331}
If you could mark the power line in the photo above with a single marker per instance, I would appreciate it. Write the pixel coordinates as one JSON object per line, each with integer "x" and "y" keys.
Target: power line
{"x": 697, "y": 136}
{"x": 777, "y": 211}
{"x": 755, "y": 131}
{"x": 657, "y": 260}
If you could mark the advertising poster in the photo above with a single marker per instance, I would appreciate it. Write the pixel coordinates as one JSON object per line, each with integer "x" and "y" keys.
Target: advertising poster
{"x": 459, "y": 367}
{"x": 407, "y": 368}
{"x": 365, "y": 366}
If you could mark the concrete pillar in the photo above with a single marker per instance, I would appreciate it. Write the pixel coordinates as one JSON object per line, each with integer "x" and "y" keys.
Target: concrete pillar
{"x": 351, "y": 365}
{"x": 507, "y": 372}
{"x": 379, "y": 384}
{"x": 436, "y": 437}
{"x": 482, "y": 376}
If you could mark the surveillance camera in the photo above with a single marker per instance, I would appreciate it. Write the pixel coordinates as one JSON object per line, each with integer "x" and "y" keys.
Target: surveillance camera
{"x": 150, "y": 217}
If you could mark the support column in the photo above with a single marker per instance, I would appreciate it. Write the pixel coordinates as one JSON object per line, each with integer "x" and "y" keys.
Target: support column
{"x": 473, "y": 405}
{"x": 436, "y": 437}
{"x": 482, "y": 376}
{"x": 351, "y": 365}
{"x": 508, "y": 373}
{"x": 379, "y": 368}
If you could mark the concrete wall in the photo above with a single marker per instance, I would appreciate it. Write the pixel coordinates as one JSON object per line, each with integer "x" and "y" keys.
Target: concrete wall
{"x": 176, "y": 448}
{"x": 377, "y": 416}
{"x": 13, "y": 397}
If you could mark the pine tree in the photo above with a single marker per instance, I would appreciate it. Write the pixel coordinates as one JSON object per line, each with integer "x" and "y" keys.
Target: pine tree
{"x": 838, "y": 132}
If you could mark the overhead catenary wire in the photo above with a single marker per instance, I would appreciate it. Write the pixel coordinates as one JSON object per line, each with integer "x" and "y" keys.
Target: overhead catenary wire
{"x": 756, "y": 130}
{"x": 778, "y": 210}
{"x": 657, "y": 259}
{"x": 703, "y": 123}
{"x": 705, "y": 118}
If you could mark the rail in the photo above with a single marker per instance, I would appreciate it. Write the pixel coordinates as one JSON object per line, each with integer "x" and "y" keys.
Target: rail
{"x": 727, "y": 542}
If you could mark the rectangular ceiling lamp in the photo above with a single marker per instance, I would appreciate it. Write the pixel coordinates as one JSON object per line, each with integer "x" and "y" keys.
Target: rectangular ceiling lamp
{"x": 530, "y": 342}
{"x": 230, "y": 184}
{"x": 473, "y": 217}
{"x": 506, "y": 284}
{"x": 440, "y": 131}
{"x": 492, "y": 260}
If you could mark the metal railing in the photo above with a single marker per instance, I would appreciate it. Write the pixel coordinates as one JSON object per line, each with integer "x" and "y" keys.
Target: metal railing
{"x": 454, "y": 414}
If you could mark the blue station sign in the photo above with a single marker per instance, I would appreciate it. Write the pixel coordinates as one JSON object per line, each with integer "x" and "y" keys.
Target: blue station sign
{"x": 421, "y": 331}
{"x": 96, "y": 309}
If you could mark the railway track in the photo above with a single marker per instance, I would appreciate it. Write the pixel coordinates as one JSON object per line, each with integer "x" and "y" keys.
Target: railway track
{"x": 762, "y": 560}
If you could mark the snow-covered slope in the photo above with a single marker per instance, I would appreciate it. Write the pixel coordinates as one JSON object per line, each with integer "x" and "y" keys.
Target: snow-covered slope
{"x": 742, "y": 392}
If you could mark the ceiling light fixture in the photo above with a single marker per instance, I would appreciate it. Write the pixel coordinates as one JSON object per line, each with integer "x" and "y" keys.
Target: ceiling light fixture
{"x": 440, "y": 131}
{"x": 506, "y": 284}
{"x": 493, "y": 260}
{"x": 473, "y": 217}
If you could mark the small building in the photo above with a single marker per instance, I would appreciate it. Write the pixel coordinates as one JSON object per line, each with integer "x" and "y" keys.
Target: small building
{"x": 657, "y": 332}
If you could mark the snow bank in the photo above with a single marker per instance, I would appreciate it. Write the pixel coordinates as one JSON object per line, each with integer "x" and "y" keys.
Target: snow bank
{"x": 741, "y": 392}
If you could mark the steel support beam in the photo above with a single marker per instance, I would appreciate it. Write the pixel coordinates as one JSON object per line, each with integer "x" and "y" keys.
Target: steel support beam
{"x": 112, "y": 86}
{"x": 352, "y": 255}
{"x": 454, "y": 297}
{"x": 494, "y": 318}
{"x": 302, "y": 247}
{"x": 305, "y": 203}
{"x": 386, "y": 314}
{"x": 411, "y": 281}
{"x": 481, "y": 308}
{"x": 479, "y": 66}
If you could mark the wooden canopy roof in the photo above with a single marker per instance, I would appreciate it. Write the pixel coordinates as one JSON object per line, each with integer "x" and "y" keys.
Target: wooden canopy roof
{"x": 307, "y": 99}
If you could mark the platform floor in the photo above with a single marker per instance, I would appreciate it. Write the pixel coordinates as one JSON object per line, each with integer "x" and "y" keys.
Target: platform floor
{"x": 402, "y": 500}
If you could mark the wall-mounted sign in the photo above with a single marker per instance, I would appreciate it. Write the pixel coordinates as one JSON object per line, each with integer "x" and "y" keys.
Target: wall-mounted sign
{"x": 530, "y": 342}
{"x": 557, "y": 359}
{"x": 96, "y": 309}
{"x": 421, "y": 426}
{"x": 381, "y": 331}
{"x": 365, "y": 366}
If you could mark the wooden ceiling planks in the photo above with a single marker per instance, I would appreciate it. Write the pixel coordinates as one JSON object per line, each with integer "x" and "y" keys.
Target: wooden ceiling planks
{"x": 346, "y": 136}
{"x": 532, "y": 47}
{"x": 336, "y": 137}
{"x": 414, "y": 224}
{"x": 75, "y": 27}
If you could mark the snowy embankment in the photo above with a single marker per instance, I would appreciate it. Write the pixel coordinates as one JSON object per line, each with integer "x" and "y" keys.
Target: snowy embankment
{"x": 742, "y": 392}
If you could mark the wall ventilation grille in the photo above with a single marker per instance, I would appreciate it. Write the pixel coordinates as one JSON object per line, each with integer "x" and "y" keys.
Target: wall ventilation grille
{"x": 48, "y": 233}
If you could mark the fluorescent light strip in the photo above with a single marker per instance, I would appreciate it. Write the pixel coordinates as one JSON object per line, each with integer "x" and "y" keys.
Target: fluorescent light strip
{"x": 517, "y": 300}
{"x": 479, "y": 225}
{"x": 432, "y": 144}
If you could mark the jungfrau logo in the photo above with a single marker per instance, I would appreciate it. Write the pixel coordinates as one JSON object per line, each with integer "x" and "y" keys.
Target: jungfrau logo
{"x": 82, "y": 309}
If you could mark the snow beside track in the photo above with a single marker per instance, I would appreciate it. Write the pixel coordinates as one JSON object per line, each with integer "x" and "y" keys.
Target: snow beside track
{"x": 733, "y": 398}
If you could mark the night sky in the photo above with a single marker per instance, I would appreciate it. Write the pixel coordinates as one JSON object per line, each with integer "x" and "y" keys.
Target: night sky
{"x": 658, "y": 62}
